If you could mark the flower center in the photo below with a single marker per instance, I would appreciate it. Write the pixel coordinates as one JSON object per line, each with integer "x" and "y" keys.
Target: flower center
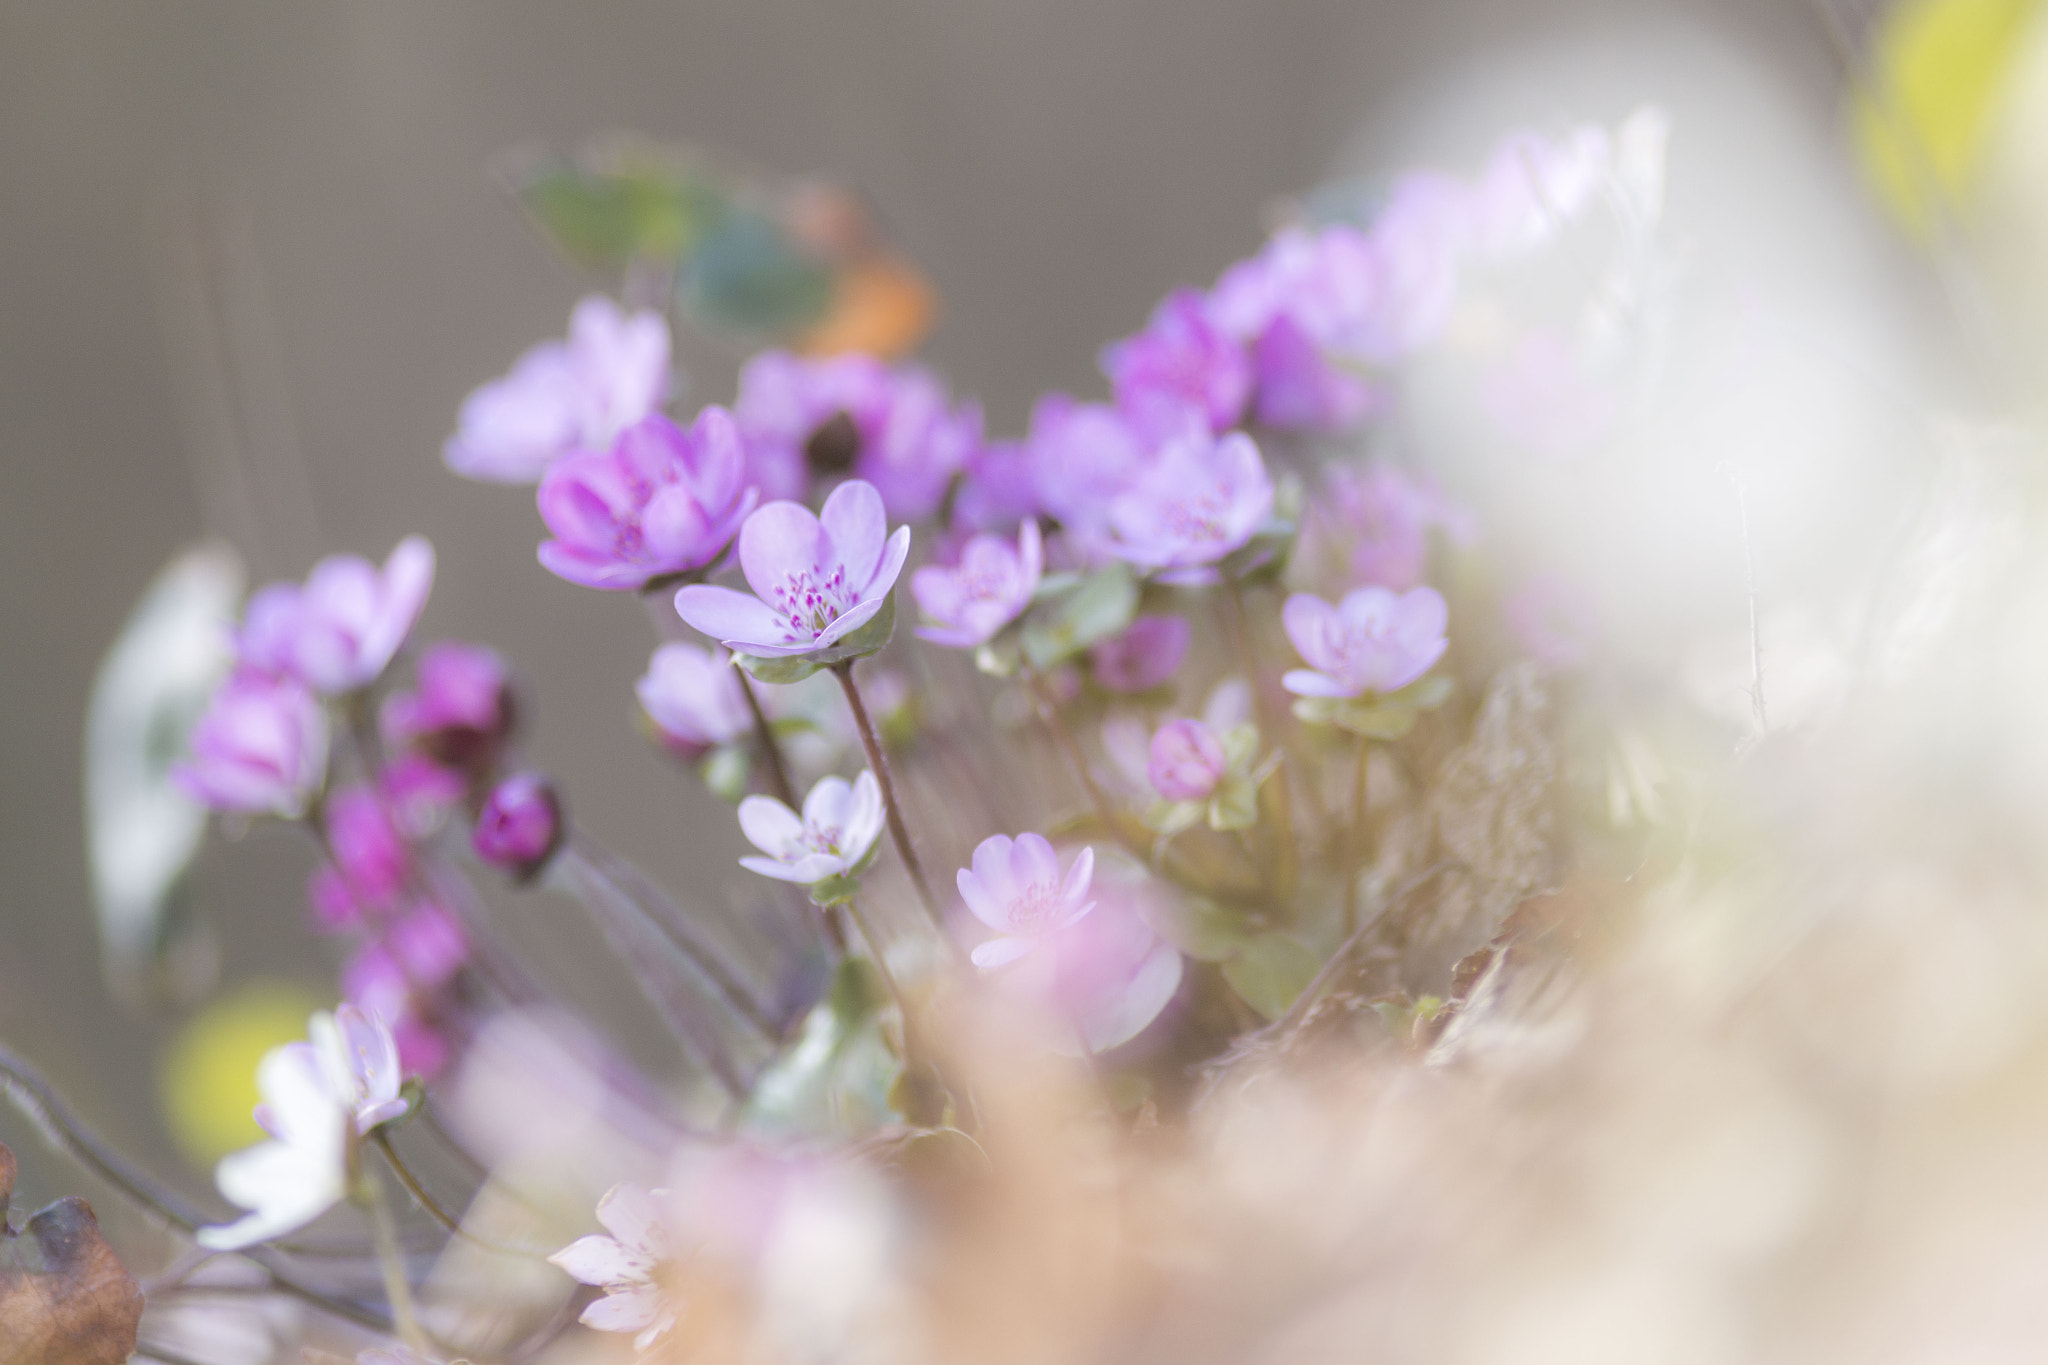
{"x": 811, "y": 600}
{"x": 823, "y": 838}
{"x": 1036, "y": 907}
{"x": 1197, "y": 519}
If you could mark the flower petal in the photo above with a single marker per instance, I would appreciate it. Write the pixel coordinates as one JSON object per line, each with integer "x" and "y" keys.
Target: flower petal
{"x": 733, "y": 618}
{"x": 598, "y": 1260}
{"x": 858, "y": 525}
{"x": 1000, "y": 952}
{"x": 780, "y": 540}
{"x": 770, "y": 826}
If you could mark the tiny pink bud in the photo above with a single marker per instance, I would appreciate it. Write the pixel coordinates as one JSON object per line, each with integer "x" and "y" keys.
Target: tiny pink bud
{"x": 521, "y": 824}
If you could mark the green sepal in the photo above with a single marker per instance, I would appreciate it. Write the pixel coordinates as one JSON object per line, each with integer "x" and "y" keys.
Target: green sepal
{"x": 1235, "y": 804}
{"x": 999, "y": 657}
{"x": 1377, "y": 716}
{"x": 792, "y": 668}
{"x": 1171, "y": 817}
{"x": 835, "y": 890}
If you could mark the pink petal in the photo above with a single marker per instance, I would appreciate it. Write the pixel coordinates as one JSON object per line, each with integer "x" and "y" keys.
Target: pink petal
{"x": 737, "y": 619}
{"x": 858, "y": 524}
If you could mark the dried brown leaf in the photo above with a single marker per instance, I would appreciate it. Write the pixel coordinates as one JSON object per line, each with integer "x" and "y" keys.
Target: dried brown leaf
{"x": 65, "y": 1297}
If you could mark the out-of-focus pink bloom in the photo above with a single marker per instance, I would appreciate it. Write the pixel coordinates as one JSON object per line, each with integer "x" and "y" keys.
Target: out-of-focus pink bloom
{"x": 375, "y": 981}
{"x": 1373, "y": 641}
{"x": 368, "y": 851}
{"x": 1110, "y": 972}
{"x": 1294, "y": 304}
{"x": 628, "y": 1264}
{"x": 419, "y": 793}
{"x": 990, "y": 587}
{"x": 423, "y": 1048}
{"x": 520, "y": 824}
{"x": 339, "y": 631}
{"x": 360, "y": 1059}
{"x": 998, "y": 490}
{"x": 1416, "y": 241}
{"x": 833, "y": 837}
{"x": 1531, "y": 186}
{"x": 460, "y": 705}
{"x": 816, "y": 579}
{"x": 1181, "y": 362}
{"x": 1552, "y": 622}
{"x": 429, "y": 945}
{"x": 659, "y": 501}
{"x": 1186, "y": 760}
{"x": 1541, "y": 397}
{"x": 1082, "y": 455}
{"x": 261, "y": 747}
{"x": 1147, "y": 653}
{"x": 850, "y": 414}
{"x": 1015, "y": 888}
{"x": 693, "y": 696}
{"x": 1299, "y": 388}
{"x": 562, "y": 397}
{"x": 1198, "y": 501}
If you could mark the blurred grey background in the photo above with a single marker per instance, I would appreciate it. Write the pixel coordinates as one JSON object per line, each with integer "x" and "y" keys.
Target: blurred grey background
{"x": 1054, "y": 165}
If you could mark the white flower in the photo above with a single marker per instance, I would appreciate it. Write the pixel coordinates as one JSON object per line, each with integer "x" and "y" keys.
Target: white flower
{"x": 303, "y": 1170}
{"x": 318, "y": 1097}
{"x": 627, "y": 1265}
{"x": 832, "y": 838}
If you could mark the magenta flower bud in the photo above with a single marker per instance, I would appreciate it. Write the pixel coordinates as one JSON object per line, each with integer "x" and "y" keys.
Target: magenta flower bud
{"x": 429, "y": 945}
{"x": 990, "y": 587}
{"x": 460, "y": 708}
{"x": 658, "y": 501}
{"x": 260, "y": 748}
{"x": 420, "y": 792}
{"x": 692, "y": 694}
{"x": 339, "y": 631}
{"x": 1199, "y": 500}
{"x": 816, "y": 579}
{"x": 1181, "y": 362}
{"x": 1145, "y": 655}
{"x": 1373, "y": 641}
{"x": 368, "y": 851}
{"x": 563, "y": 397}
{"x": 1187, "y": 761}
{"x": 520, "y": 825}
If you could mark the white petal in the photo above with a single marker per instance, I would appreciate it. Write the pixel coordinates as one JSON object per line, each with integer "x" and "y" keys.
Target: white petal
{"x": 825, "y": 807}
{"x": 632, "y": 1214}
{"x": 602, "y": 1261}
{"x": 770, "y": 826}
{"x": 627, "y": 1310}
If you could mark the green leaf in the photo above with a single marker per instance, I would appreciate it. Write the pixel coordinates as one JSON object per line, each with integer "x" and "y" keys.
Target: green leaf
{"x": 1171, "y": 817}
{"x": 1270, "y": 972}
{"x": 1235, "y": 804}
{"x": 747, "y": 274}
{"x": 1240, "y": 746}
{"x": 606, "y": 215}
{"x": 725, "y": 770}
{"x": 836, "y": 1076}
{"x": 1100, "y": 607}
{"x": 1201, "y": 928}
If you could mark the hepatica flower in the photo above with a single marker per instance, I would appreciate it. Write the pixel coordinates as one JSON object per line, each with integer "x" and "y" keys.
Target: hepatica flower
{"x": 816, "y": 579}
{"x": 1181, "y": 362}
{"x": 1200, "y": 500}
{"x": 990, "y": 587}
{"x": 1081, "y": 456}
{"x": 628, "y": 1264}
{"x": 1015, "y": 888}
{"x": 318, "y": 1096}
{"x": 1373, "y": 641}
{"x": 564, "y": 396}
{"x": 660, "y": 500}
{"x": 260, "y": 747}
{"x": 460, "y": 706}
{"x": 339, "y": 631}
{"x": 1147, "y": 653}
{"x": 834, "y": 837}
{"x": 1186, "y": 760}
{"x": 693, "y": 697}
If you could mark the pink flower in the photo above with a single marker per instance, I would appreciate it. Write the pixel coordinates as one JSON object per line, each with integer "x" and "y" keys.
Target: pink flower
{"x": 370, "y": 859}
{"x": 1015, "y": 888}
{"x": 1082, "y": 455}
{"x": 460, "y": 706}
{"x": 1417, "y": 241}
{"x": 1373, "y": 641}
{"x": 1298, "y": 386}
{"x": 360, "y": 1060}
{"x": 429, "y": 946}
{"x": 660, "y": 501}
{"x": 419, "y": 793}
{"x": 559, "y": 398}
{"x": 1181, "y": 362}
{"x": 1187, "y": 761}
{"x": 834, "y": 836}
{"x": 1143, "y": 656}
{"x": 1294, "y": 303}
{"x": 629, "y": 1265}
{"x": 693, "y": 697}
{"x": 261, "y": 747}
{"x": 989, "y": 588}
{"x": 852, "y": 414}
{"x": 340, "y": 630}
{"x": 520, "y": 824}
{"x": 999, "y": 489}
{"x": 1197, "y": 502}
{"x": 816, "y": 579}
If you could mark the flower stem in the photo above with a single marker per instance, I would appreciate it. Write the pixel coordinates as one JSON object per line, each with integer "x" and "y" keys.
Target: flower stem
{"x": 433, "y": 1207}
{"x": 879, "y": 763}
{"x": 881, "y": 961}
{"x": 1354, "y": 839}
{"x": 1275, "y": 797}
{"x": 771, "y": 748}
{"x": 391, "y": 1261}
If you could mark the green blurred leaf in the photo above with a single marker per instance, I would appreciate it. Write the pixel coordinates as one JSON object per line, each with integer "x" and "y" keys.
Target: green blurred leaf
{"x": 1270, "y": 972}
{"x": 606, "y": 215}
{"x": 1201, "y": 928}
{"x": 1101, "y": 606}
{"x": 746, "y": 274}
{"x": 836, "y": 1077}
{"x": 725, "y": 770}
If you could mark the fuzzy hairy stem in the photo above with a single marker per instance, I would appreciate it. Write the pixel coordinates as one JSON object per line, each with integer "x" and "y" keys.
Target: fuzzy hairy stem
{"x": 878, "y": 763}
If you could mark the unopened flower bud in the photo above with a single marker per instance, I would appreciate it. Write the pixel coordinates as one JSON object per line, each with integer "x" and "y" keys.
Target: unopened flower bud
{"x": 521, "y": 824}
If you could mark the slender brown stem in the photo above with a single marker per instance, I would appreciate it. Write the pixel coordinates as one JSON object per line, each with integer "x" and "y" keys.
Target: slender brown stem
{"x": 771, "y": 748}
{"x": 433, "y": 1206}
{"x": 391, "y": 1261}
{"x": 1354, "y": 839}
{"x": 878, "y": 762}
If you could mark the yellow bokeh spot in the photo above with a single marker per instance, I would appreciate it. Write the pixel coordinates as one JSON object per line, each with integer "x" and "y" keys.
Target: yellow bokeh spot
{"x": 1936, "y": 83}
{"x": 207, "y": 1078}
